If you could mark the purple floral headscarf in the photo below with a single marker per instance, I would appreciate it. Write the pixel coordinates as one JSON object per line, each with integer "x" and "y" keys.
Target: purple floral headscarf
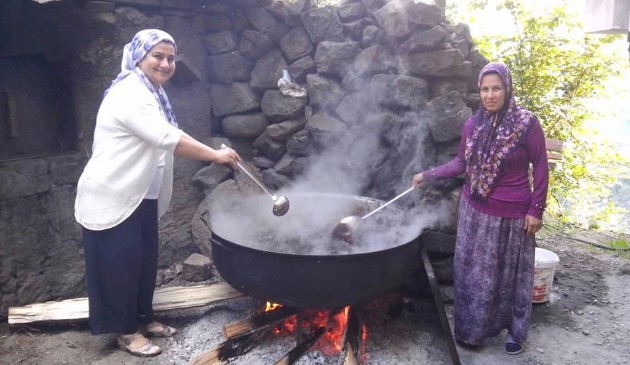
{"x": 494, "y": 136}
{"x": 133, "y": 53}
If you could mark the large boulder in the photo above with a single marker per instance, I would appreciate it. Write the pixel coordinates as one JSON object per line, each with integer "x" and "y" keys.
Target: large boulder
{"x": 232, "y": 99}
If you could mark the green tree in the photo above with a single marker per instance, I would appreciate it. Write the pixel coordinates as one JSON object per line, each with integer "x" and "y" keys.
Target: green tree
{"x": 556, "y": 70}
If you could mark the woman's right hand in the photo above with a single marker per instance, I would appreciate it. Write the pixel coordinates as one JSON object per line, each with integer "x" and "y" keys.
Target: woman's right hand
{"x": 227, "y": 156}
{"x": 417, "y": 180}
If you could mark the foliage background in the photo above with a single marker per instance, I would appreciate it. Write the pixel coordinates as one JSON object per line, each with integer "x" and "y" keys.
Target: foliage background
{"x": 577, "y": 84}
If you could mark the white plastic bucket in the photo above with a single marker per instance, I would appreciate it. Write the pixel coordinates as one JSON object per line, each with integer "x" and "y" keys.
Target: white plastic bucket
{"x": 544, "y": 270}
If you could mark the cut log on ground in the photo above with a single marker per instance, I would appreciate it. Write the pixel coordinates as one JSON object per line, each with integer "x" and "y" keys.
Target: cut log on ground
{"x": 176, "y": 297}
{"x": 233, "y": 347}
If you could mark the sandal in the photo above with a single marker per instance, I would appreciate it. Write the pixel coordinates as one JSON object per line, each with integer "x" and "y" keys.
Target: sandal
{"x": 138, "y": 345}
{"x": 512, "y": 348}
{"x": 157, "y": 329}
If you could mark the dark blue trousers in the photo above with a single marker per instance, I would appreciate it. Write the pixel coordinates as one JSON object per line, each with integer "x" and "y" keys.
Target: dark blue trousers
{"x": 121, "y": 265}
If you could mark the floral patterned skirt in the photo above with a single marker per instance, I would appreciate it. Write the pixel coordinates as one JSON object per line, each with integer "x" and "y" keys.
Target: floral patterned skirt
{"x": 494, "y": 270}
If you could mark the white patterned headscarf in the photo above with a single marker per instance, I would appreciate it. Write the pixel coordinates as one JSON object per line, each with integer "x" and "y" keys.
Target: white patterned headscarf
{"x": 133, "y": 53}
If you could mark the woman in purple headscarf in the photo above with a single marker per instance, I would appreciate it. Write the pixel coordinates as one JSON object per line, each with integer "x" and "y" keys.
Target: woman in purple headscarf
{"x": 126, "y": 186}
{"x": 500, "y": 211}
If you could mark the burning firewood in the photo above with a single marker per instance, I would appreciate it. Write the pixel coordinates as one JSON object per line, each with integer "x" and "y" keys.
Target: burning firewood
{"x": 298, "y": 351}
{"x": 353, "y": 344}
{"x": 349, "y": 356}
{"x": 264, "y": 318}
{"x": 233, "y": 347}
{"x": 333, "y": 326}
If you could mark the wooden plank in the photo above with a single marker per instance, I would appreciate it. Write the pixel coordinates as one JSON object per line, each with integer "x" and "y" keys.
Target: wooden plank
{"x": 554, "y": 156}
{"x": 170, "y": 298}
{"x": 554, "y": 145}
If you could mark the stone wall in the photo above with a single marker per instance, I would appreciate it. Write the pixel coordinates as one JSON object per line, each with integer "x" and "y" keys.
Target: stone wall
{"x": 389, "y": 84}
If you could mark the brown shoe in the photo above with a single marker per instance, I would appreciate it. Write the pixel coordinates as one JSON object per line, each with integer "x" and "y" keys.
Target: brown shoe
{"x": 157, "y": 329}
{"x": 138, "y": 345}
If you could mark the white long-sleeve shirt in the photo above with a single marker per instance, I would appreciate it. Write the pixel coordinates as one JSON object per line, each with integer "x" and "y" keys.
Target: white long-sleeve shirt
{"x": 130, "y": 132}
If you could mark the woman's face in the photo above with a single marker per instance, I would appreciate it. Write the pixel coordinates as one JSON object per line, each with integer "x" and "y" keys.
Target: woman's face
{"x": 492, "y": 93}
{"x": 159, "y": 63}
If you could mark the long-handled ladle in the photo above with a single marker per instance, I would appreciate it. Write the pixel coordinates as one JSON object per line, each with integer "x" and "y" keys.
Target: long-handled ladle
{"x": 280, "y": 203}
{"x": 346, "y": 226}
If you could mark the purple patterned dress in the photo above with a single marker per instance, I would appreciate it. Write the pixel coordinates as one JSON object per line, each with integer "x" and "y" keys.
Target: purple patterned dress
{"x": 494, "y": 258}
{"x": 494, "y": 271}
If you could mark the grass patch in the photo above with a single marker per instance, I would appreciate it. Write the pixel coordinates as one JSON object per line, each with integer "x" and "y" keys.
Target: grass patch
{"x": 623, "y": 246}
{"x": 619, "y": 244}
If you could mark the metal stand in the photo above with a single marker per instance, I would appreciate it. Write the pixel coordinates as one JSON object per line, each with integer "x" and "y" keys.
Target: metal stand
{"x": 439, "y": 305}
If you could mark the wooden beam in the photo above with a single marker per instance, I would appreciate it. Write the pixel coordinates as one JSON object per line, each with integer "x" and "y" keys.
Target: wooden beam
{"x": 170, "y": 298}
{"x": 554, "y": 151}
{"x": 554, "y": 145}
{"x": 554, "y": 156}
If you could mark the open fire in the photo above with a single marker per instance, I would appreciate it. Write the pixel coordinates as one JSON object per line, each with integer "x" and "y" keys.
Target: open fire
{"x": 341, "y": 332}
{"x": 344, "y": 283}
{"x": 309, "y": 321}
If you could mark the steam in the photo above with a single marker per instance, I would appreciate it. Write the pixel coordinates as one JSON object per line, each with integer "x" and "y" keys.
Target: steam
{"x": 370, "y": 143}
{"x": 307, "y": 228}
{"x": 376, "y": 156}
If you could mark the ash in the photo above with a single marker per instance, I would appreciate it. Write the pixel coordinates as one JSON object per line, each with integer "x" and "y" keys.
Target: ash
{"x": 409, "y": 336}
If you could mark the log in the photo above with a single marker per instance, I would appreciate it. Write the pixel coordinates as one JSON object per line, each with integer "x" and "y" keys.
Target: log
{"x": 347, "y": 353}
{"x": 354, "y": 346}
{"x": 170, "y": 298}
{"x": 298, "y": 351}
{"x": 307, "y": 341}
{"x": 259, "y": 319}
{"x": 349, "y": 356}
{"x": 233, "y": 347}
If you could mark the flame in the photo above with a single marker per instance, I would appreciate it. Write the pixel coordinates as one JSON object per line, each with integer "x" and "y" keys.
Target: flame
{"x": 364, "y": 337}
{"x": 272, "y": 306}
{"x": 334, "y": 338}
{"x": 287, "y": 327}
{"x": 332, "y": 342}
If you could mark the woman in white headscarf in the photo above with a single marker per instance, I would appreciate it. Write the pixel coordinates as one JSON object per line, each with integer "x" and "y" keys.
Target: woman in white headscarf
{"x": 126, "y": 186}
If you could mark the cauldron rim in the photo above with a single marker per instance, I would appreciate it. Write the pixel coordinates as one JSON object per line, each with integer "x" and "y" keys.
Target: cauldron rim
{"x": 328, "y": 257}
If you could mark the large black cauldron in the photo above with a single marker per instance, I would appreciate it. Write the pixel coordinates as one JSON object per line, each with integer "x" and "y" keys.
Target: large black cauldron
{"x": 310, "y": 280}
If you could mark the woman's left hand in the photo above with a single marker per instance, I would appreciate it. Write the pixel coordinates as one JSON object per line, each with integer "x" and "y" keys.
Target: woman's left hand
{"x": 532, "y": 225}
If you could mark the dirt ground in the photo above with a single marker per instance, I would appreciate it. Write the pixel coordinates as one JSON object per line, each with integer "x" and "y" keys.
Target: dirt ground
{"x": 587, "y": 321}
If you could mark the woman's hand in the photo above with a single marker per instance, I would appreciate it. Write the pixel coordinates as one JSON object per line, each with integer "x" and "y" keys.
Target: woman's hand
{"x": 227, "y": 156}
{"x": 191, "y": 148}
{"x": 532, "y": 225}
{"x": 417, "y": 180}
